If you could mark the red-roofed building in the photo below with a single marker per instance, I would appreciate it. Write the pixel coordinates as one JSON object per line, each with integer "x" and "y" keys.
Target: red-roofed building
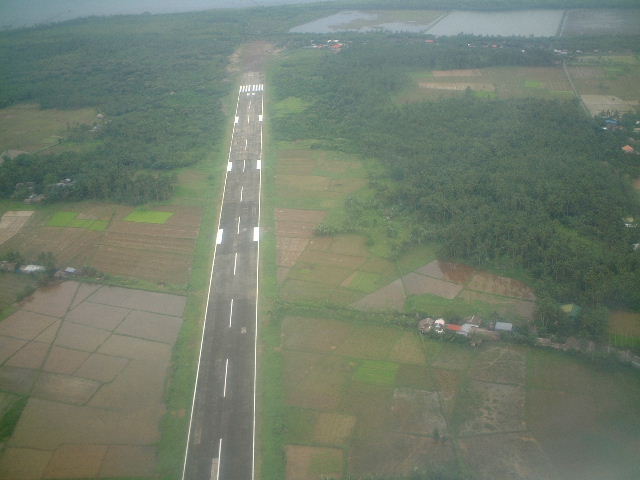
{"x": 628, "y": 149}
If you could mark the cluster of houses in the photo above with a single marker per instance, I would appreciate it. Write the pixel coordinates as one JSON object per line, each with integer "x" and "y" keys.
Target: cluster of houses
{"x": 472, "y": 326}
{"x": 31, "y": 269}
{"x": 333, "y": 45}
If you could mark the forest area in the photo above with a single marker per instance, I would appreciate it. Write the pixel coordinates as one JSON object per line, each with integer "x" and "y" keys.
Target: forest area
{"x": 158, "y": 81}
{"x": 530, "y": 184}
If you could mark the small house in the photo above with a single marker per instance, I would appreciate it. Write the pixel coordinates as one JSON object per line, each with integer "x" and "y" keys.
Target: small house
{"x": 30, "y": 269}
{"x": 425, "y": 325}
{"x": 503, "y": 327}
{"x": 628, "y": 149}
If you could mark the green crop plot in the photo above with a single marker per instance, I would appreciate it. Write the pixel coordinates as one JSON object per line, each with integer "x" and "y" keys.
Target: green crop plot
{"x": 377, "y": 372}
{"x": 70, "y": 219}
{"x": 148, "y": 216}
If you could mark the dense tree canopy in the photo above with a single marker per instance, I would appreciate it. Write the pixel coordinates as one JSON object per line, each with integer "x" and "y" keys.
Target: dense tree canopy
{"x": 530, "y": 182}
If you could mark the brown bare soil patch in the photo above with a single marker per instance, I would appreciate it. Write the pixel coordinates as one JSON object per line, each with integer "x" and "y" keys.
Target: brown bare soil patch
{"x": 49, "y": 333}
{"x": 11, "y": 223}
{"x": 64, "y": 360}
{"x": 17, "y": 380}
{"x": 140, "y": 300}
{"x": 84, "y": 290}
{"x": 625, "y": 323}
{"x": 415, "y": 284}
{"x": 141, "y": 263}
{"x": 458, "y": 86}
{"x": 25, "y": 325}
{"x": 315, "y": 380}
{"x": 496, "y": 408}
{"x": 508, "y": 287}
{"x": 63, "y": 388}
{"x": 320, "y": 243}
{"x": 600, "y": 103}
{"x": 295, "y": 229}
{"x": 76, "y": 461}
{"x": 636, "y": 184}
{"x": 289, "y": 249}
{"x": 151, "y": 326}
{"x": 391, "y": 297}
{"x": 80, "y": 337}
{"x": 71, "y": 246}
{"x": 333, "y": 428}
{"x": 307, "y": 183}
{"x": 470, "y": 72}
{"x": 417, "y": 412}
{"x": 52, "y": 300}
{"x": 103, "y": 368}
{"x": 303, "y": 216}
{"x": 297, "y": 166}
{"x": 9, "y": 346}
{"x": 315, "y": 334}
{"x": 106, "y": 317}
{"x": 32, "y": 355}
{"x": 408, "y": 349}
{"x": 451, "y": 272}
{"x": 514, "y": 456}
{"x": 500, "y": 364}
{"x": 313, "y": 463}
{"x": 27, "y": 463}
{"x": 128, "y": 461}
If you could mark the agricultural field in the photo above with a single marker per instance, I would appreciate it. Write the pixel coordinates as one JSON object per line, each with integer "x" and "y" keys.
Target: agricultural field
{"x": 156, "y": 246}
{"x": 379, "y": 400}
{"x": 28, "y": 128}
{"x": 494, "y": 82}
{"x": 86, "y": 364}
{"x": 624, "y": 329}
{"x": 310, "y": 186}
{"x": 607, "y": 82}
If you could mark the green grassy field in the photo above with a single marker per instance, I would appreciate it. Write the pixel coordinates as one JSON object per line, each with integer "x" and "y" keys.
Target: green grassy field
{"x": 148, "y": 216}
{"x": 27, "y": 127}
{"x": 494, "y": 82}
{"x": 70, "y": 219}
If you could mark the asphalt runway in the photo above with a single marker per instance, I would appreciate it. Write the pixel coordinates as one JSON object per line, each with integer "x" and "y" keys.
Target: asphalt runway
{"x": 221, "y": 441}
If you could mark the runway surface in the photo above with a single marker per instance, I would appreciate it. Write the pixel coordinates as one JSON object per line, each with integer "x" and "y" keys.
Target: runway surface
{"x": 221, "y": 441}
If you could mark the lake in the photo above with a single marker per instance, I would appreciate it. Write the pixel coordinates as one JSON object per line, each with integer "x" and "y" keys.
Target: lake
{"x": 537, "y": 23}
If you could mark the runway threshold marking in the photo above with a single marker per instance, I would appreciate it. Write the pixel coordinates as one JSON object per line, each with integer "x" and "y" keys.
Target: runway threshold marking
{"x": 219, "y": 236}
{"x": 256, "y": 233}
{"x": 259, "y": 164}
{"x": 226, "y": 370}
{"x": 229, "y": 166}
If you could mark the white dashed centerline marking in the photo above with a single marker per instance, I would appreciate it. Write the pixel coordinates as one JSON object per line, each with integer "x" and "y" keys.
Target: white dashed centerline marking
{"x": 226, "y": 369}
{"x": 235, "y": 262}
{"x": 241, "y": 190}
{"x": 238, "y": 230}
{"x": 219, "y": 237}
{"x": 244, "y": 165}
{"x": 231, "y": 313}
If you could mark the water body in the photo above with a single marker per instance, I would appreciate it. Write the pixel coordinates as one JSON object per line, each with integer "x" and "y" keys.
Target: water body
{"x": 537, "y": 23}
{"x": 25, "y": 13}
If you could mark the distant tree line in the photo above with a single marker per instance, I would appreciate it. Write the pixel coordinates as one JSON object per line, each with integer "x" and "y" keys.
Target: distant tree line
{"x": 527, "y": 182}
